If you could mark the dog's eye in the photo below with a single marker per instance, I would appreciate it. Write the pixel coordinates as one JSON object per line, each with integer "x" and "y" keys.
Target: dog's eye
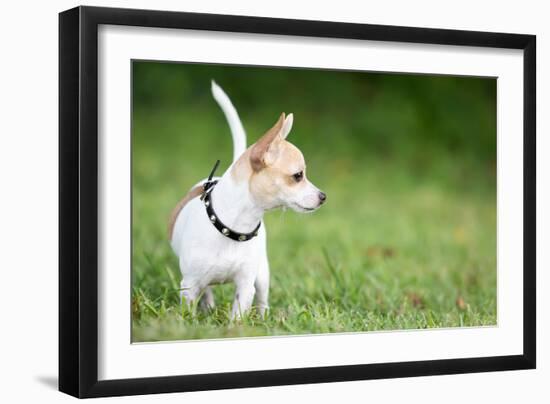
{"x": 298, "y": 176}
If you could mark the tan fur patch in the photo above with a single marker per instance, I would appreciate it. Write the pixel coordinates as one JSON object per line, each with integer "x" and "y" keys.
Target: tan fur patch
{"x": 269, "y": 165}
{"x": 193, "y": 193}
{"x": 276, "y": 179}
{"x": 261, "y": 147}
{"x": 290, "y": 161}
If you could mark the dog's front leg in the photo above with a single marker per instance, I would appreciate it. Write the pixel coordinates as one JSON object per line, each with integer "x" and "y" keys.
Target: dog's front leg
{"x": 262, "y": 287}
{"x": 190, "y": 291}
{"x": 244, "y": 295}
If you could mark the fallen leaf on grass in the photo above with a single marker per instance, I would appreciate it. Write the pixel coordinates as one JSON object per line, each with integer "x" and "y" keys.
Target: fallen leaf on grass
{"x": 460, "y": 303}
{"x": 378, "y": 251}
{"x": 416, "y": 300}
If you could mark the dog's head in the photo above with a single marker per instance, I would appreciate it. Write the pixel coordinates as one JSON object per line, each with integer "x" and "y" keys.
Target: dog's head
{"x": 278, "y": 172}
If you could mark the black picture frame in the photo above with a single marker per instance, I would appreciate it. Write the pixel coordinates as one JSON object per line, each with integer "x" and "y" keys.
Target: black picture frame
{"x": 78, "y": 201}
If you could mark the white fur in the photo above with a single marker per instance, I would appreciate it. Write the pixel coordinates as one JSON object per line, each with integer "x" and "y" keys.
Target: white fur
{"x": 206, "y": 257}
{"x": 237, "y": 130}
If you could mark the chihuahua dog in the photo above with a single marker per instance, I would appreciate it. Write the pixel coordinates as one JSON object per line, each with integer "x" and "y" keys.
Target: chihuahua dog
{"x": 216, "y": 230}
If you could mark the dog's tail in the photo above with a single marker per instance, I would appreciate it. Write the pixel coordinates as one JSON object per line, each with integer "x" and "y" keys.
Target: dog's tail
{"x": 237, "y": 130}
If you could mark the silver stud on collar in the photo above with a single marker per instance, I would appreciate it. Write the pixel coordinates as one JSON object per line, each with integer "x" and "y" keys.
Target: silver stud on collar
{"x": 225, "y": 231}
{"x": 242, "y": 237}
{"x": 207, "y": 203}
{"x": 213, "y": 219}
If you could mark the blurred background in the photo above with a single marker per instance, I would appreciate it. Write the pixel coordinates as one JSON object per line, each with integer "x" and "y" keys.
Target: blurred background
{"x": 407, "y": 238}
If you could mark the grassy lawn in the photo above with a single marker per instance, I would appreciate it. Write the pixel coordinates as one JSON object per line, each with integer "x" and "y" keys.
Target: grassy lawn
{"x": 406, "y": 240}
{"x": 389, "y": 252}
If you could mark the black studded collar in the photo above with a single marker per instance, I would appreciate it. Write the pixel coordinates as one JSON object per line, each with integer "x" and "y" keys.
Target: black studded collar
{"x": 213, "y": 217}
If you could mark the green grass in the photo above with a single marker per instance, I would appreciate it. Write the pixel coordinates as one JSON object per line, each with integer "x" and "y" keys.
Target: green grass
{"x": 386, "y": 253}
{"x": 406, "y": 240}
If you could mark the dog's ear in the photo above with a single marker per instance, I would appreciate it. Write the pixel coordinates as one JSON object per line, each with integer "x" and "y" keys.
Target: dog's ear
{"x": 265, "y": 149}
{"x": 287, "y": 126}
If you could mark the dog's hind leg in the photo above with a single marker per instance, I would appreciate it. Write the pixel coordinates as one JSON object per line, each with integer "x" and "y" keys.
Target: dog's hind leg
{"x": 207, "y": 301}
{"x": 262, "y": 287}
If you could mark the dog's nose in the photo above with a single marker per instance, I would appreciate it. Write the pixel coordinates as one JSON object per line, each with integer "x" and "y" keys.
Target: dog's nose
{"x": 322, "y": 197}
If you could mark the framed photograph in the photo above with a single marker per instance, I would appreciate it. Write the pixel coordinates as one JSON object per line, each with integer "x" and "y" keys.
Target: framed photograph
{"x": 252, "y": 201}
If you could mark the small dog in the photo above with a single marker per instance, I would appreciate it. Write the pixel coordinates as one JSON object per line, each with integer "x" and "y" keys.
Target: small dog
{"x": 216, "y": 230}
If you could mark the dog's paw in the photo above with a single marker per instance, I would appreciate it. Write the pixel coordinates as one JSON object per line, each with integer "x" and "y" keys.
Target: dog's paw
{"x": 263, "y": 311}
